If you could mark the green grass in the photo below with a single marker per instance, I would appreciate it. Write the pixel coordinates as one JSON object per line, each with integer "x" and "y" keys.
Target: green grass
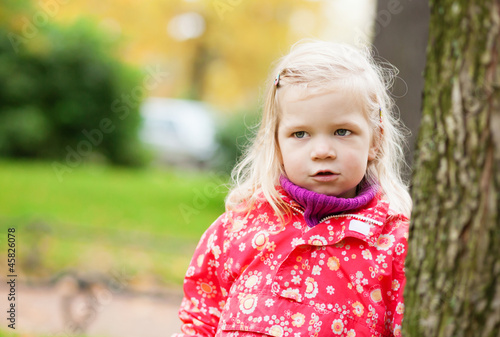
{"x": 8, "y": 334}
{"x": 96, "y": 217}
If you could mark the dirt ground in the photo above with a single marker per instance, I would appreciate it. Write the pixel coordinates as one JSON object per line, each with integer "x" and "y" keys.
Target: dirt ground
{"x": 41, "y": 310}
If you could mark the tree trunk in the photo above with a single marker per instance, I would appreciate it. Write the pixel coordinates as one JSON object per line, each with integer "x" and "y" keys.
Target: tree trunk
{"x": 453, "y": 263}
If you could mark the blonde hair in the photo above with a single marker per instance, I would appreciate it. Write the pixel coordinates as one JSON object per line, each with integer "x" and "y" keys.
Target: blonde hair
{"x": 317, "y": 65}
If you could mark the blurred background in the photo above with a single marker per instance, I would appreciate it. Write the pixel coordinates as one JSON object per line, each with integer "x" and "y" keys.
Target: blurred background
{"x": 119, "y": 124}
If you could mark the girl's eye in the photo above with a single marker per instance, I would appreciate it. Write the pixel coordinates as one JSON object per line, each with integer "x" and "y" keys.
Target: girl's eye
{"x": 342, "y": 132}
{"x": 299, "y": 134}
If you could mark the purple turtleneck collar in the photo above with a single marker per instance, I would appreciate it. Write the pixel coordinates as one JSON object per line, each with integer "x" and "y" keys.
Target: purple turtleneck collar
{"x": 317, "y": 205}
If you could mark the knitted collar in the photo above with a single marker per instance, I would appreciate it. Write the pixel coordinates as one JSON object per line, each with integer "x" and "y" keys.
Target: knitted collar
{"x": 317, "y": 205}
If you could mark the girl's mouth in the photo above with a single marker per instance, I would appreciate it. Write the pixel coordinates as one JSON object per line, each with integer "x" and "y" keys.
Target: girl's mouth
{"x": 325, "y": 176}
{"x": 323, "y": 173}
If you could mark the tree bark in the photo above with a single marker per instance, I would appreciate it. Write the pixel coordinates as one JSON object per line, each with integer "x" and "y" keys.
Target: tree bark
{"x": 453, "y": 263}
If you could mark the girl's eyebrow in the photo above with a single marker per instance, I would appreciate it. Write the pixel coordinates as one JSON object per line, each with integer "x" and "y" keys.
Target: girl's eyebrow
{"x": 295, "y": 125}
{"x": 346, "y": 124}
{"x": 333, "y": 124}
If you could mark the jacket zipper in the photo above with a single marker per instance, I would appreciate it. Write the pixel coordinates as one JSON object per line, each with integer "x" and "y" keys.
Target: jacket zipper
{"x": 358, "y": 217}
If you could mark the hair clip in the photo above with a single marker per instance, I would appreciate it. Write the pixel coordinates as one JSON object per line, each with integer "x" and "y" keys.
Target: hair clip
{"x": 380, "y": 113}
{"x": 277, "y": 80}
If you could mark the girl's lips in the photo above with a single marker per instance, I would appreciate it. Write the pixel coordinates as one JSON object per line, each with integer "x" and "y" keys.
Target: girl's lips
{"x": 324, "y": 173}
{"x": 325, "y": 176}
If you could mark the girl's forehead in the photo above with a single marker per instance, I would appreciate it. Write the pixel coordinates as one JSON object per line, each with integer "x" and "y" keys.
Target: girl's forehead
{"x": 299, "y": 93}
{"x": 295, "y": 93}
{"x": 327, "y": 106}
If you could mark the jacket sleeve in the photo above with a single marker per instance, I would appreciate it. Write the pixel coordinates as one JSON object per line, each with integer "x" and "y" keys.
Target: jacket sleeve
{"x": 205, "y": 293}
{"x": 396, "y": 305}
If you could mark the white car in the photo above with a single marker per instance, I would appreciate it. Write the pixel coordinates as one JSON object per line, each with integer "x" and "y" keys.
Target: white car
{"x": 180, "y": 132}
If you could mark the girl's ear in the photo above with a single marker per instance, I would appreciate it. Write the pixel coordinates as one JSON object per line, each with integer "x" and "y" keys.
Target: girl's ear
{"x": 374, "y": 147}
{"x": 372, "y": 153}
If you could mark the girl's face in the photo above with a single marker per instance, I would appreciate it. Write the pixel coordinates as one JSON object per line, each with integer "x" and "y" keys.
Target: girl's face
{"x": 325, "y": 141}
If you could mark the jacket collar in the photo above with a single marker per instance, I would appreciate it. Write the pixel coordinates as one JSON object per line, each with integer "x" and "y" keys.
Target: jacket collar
{"x": 365, "y": 223}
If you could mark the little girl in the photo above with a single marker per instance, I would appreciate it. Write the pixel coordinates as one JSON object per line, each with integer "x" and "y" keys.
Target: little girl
{"x": 314, "y": 238}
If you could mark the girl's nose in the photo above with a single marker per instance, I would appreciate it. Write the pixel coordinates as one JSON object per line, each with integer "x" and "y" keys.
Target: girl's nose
{"x": 323, "y": 150}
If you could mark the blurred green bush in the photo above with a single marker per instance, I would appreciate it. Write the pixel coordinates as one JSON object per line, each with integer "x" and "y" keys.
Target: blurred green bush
{"x": 64, "y": 96}
{"x": 234, "y": 135}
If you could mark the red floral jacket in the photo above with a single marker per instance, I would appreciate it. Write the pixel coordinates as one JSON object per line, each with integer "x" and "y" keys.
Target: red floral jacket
{"x": 252, "y": 275}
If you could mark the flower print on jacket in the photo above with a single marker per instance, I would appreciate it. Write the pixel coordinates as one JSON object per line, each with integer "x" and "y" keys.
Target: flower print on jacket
{"x": 333, "y": 263}
{"x": 252, "y": 276}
